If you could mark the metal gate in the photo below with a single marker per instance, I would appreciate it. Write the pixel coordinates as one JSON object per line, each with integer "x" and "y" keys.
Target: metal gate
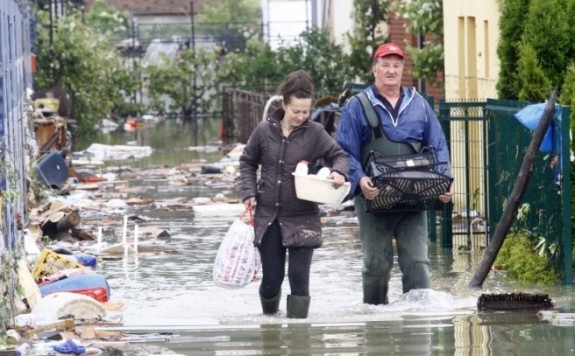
{"x": 465, "y": 223}
{"x": 487, "y": 146}
{"x": 15, "y": 79}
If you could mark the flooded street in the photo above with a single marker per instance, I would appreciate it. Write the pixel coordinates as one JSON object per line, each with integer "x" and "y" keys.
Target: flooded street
{"x": 171, "y": 296}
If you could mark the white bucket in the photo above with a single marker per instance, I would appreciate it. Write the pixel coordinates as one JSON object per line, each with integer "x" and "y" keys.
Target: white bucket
{"x": 320, "y": 190}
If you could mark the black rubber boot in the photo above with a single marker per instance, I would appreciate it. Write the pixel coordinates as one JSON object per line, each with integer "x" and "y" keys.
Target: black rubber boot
{"x": 270, "y": 305}
{"x": 374, "y": 290}
{"x": 297, "y": 306}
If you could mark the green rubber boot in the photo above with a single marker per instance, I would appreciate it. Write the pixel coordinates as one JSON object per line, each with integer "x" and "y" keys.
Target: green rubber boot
{"x": 270, "y": 305}
{"x": 297, "y": 306}
{"x": 374, "y": 290}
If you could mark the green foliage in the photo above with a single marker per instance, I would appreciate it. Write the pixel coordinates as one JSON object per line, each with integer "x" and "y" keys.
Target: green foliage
{"x": 368, "y": 34}
{"x": 521, "y": 259}
{"x": 546, "y": 27}
{"x": 231, "y": 11}
{"x": 237, "y": 21}
{"x": 107, "y": 20}
{"x": 8, "y": 276}
{"x": 535, "y": 86}
{"x": 512, "y": 17}
{"x": 324, "y": 60}
{"x": 187, "y": 80}
{"x": 547, "y": 31}
{"x": 261, "y": 68}
{"x": 567, "y": 96}
{"x": 425, "y": 18}
{"x": 255, "y": 69}
{"x": 81, "y": 60}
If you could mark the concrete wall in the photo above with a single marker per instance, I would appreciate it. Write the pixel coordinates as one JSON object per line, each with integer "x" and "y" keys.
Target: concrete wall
{"x": 471, "y": 31}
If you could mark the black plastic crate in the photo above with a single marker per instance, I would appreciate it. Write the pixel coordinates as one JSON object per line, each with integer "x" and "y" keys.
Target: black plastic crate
{"x": 378, "y": 164}
{"x": 406, "y": 182}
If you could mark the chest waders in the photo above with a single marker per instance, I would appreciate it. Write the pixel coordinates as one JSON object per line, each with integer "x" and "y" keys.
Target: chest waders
{"x": 377, "y": 249}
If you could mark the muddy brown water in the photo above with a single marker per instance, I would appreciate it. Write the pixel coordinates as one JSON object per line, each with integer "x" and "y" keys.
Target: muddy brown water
{"x": 170, "y": 299}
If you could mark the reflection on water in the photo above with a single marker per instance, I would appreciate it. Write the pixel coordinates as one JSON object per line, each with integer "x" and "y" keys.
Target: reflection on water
{"x": 173, "y": 292}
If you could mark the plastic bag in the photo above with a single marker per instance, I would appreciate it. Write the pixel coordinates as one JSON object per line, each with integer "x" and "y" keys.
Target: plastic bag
{"x": 531, "y": 115}
{"x": 237, "y": 260}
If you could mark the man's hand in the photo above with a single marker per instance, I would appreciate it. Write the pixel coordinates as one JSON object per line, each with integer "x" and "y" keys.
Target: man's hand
{"x": 446, "y": 197}
{"x": 369, "y": 191}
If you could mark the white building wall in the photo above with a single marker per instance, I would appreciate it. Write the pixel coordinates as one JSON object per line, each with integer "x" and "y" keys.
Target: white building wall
{"x": 284, "y": 20}
{"x": 337, "y": 16}
{"x": 471, "y": 36}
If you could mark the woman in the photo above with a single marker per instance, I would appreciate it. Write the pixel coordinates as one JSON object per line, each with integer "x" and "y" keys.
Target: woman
{"x": 285, "y": 225}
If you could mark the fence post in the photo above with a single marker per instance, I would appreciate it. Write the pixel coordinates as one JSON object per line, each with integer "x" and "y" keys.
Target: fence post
{"x": 566, "y": 197}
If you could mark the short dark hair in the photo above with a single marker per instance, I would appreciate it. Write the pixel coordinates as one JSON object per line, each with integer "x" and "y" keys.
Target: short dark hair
{"x": 296, "y": 84}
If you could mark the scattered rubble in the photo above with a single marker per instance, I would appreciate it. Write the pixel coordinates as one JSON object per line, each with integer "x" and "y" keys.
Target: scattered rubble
{"x": 64, "y": 303}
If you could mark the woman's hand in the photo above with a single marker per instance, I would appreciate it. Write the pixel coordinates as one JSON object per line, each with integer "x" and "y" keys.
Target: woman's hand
{"x": 337, "y": 178}
{"x": 369, "y": 191}
{"x": 250, "y": 203}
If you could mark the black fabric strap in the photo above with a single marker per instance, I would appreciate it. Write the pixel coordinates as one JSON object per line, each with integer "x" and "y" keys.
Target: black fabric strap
{"x": 372, "y": 116}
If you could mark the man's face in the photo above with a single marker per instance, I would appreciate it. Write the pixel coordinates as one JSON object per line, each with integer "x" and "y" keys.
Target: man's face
{"x": 388, "y": 70}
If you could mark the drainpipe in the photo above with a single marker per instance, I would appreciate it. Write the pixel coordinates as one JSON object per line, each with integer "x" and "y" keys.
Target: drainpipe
{"x": 314, "y": 13}
{"x": 421, "y": 87}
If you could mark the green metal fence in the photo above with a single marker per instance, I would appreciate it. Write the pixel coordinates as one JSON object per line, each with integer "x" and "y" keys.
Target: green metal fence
{"x": 548, "y": 192}
{"x": 464, "y": 124}
{"x": 487, "y": 147}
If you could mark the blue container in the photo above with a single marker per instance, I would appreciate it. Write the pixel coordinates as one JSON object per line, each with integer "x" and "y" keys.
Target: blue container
{"x": 92, "y": 284}
{"x": 86, "y": 260}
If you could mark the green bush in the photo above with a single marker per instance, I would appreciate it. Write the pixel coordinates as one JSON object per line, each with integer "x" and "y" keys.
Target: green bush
{"x": 520, "y": 258}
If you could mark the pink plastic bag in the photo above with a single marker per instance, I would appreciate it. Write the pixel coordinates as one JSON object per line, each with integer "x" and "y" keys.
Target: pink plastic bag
{"x": 237, "y": 260}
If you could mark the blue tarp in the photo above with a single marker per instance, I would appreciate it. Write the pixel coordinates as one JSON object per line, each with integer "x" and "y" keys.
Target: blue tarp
{"x": 530, "y": 116}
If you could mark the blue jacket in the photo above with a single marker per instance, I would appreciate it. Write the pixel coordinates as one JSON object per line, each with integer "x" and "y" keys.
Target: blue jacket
{"x": 416, "y": 122}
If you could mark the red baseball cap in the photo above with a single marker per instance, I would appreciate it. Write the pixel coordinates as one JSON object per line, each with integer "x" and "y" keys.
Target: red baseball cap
{"x": 388, "y": 49}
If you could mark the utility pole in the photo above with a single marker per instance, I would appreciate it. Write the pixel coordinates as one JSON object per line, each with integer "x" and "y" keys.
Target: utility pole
{"x": 194, "y": 98}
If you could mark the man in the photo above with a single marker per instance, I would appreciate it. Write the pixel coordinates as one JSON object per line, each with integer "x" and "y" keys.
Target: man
{"x": 405, "y": 118}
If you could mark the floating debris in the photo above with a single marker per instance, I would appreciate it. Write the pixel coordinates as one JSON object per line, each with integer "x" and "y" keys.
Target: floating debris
{"x": 514, "y": 301}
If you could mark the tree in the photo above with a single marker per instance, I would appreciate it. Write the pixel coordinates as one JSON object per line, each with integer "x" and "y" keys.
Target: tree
{"x": 324, "y": 60}
{"x": 232, "y": 22}
{"x": 182, "y": 84}
{"x": 535, "y": 86}
{"x": 83, "y": 62}
{"x": 368, "y": 33}
{"x": 254, "y": 69}
{"x": 512, "y": 17}
{"x": 546, "y": 27}
{"x": 107, "y": 20}
{"x": 425, "y": 20}
{"x": 261, "y": 68}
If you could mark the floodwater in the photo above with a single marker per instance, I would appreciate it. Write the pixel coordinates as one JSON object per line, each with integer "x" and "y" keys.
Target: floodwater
{"x": 170, "y": 299}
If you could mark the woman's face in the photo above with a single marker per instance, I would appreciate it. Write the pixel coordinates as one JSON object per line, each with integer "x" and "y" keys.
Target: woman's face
{"x": 297, "y": 111}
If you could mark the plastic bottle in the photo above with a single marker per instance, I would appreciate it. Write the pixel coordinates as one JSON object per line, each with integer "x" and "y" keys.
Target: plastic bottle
{"x": 323, "y": 172}
{"x": 301, "y": 168}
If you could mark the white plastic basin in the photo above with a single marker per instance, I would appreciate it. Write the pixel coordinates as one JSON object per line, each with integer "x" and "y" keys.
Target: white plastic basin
{"x": 319, "y": 190}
